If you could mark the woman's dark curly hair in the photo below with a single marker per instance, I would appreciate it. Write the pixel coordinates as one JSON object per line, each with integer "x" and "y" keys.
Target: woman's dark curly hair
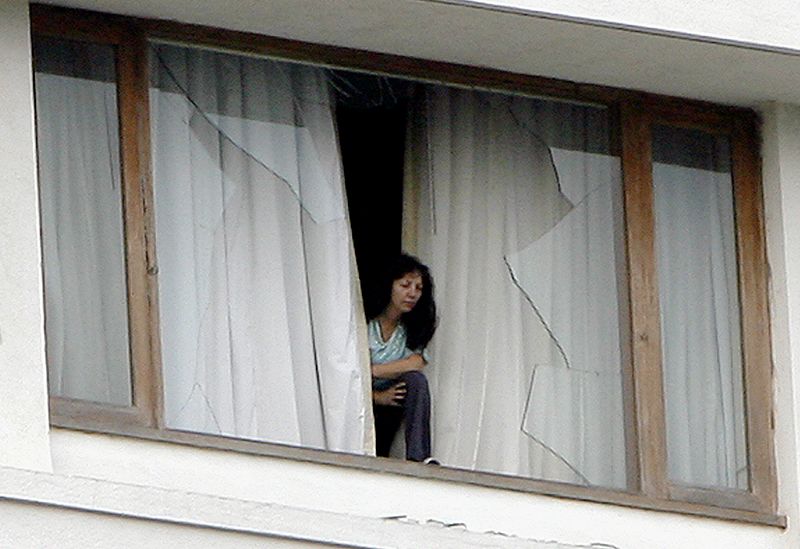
{"x": 420, "y": 322}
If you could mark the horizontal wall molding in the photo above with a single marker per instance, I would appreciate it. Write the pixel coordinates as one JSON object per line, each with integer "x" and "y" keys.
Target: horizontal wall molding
{"x": 616, "y": 25}
{"x": 176, "y": 507}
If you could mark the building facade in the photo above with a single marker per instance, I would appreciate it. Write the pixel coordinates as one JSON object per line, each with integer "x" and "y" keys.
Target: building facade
{"x": 66, "y": 480}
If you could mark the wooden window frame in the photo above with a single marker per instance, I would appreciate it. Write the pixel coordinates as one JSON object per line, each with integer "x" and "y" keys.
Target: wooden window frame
{"x": 638, "y": 120}
{"x": 636, "y": 113}
{"x": 130, "y": 48}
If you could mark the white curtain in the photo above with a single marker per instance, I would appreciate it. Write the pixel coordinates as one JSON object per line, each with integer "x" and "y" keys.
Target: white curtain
{"x": 699, "y": 304}
{"x": 261, "y": 324}
{"x": 81, "y": 208}
{"x": 515, "y": 204}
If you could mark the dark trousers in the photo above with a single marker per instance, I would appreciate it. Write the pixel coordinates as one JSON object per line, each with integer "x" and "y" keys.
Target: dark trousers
{"x": 415, "y": 410}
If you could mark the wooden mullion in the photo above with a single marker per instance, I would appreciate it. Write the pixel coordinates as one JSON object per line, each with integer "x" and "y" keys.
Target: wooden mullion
{"x": 155, "y": 381}
{"x": 132, "y": 86}
{"x": 647, "y": 379}
{"x": 755, "y": 317}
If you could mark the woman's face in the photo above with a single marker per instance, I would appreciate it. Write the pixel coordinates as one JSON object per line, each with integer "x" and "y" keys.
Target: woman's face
{"x": 406, "y": 292}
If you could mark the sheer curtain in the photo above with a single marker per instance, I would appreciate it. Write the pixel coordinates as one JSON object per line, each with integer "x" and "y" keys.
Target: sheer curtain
{"x": 514, "y": 203}
{"x": 261, "y": 323}
{"x": 81, "y": 207}
{"x": 699, "y": 304}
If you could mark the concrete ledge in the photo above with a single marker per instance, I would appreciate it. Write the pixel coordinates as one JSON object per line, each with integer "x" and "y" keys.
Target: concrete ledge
{"x": 157, "y": 505}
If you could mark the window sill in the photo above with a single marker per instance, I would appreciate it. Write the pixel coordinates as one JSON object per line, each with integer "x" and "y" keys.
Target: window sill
{"x": 416, "y": 470}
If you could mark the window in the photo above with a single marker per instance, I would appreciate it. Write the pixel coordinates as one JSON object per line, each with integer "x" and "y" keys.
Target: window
{"x": 97, "y": 307}
{"x": 598, "y": 254}
{"x": 686, "y": 244}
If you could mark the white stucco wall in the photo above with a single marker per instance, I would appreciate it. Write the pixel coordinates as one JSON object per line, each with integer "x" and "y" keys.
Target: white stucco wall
{"x": 781, "y": 160}
{"x": 365, "y": 494}
{"x": 155, "y": 494}
{"x": 772, "y": 23}
{"x": 49, "y": 526}
{"x": 23, "y": 390}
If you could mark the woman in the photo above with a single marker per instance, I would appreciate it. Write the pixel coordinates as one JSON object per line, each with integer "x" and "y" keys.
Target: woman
{"x": 402, "y": 319}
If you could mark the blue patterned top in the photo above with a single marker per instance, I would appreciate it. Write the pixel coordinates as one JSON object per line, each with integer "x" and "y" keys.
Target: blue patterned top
{"x": 381, "y": 352}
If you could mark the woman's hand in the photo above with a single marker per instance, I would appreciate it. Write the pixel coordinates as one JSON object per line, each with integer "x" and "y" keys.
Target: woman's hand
{"x": 393, "y": 396}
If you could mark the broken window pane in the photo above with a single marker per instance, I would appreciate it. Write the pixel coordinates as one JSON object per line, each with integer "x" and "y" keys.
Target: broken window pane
{"x": 520, "y": 218}
{"x": 257, "y": 285}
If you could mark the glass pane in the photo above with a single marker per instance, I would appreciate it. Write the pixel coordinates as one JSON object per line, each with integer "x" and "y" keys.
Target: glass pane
{"x": 519, "y": 220}
{"x": 256, "y": 281}
{"x": 81, "y": 206}
{"x": 699, "y": 303}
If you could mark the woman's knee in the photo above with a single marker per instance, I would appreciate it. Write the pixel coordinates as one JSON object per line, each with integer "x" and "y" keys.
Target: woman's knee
{"x": 415, "y": 381}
